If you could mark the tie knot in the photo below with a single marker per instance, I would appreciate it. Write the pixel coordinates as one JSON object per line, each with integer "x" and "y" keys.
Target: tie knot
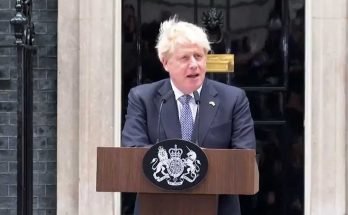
{"x": 185, "y": 99}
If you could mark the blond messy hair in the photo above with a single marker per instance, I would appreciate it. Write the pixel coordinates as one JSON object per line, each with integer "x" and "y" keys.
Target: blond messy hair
{"x": 174, "y": 32}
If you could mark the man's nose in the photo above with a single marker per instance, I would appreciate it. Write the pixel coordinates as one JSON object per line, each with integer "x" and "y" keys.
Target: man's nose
{"x": 193, "y": 62}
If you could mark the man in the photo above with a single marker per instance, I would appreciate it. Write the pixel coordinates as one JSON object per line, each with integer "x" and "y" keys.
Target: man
{"x": 224, "y": 116}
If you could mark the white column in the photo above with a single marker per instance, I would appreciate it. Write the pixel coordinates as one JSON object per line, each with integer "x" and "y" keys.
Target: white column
{"x": 326, "y": 107}
{"x": 117, "y": 88}
{"x": 68, "y": 108}
{"x": 89, "y": 101}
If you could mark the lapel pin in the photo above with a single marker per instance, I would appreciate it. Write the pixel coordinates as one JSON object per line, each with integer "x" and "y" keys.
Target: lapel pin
{"x": 212, "y": 103}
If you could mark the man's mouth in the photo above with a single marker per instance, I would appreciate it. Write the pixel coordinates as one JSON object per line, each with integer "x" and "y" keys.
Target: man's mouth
{"x": 193, "y": 75}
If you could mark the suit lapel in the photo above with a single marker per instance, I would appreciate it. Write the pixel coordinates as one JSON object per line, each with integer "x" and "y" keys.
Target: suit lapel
{"x": 169, "y": 116}
{"x": 208, "y": 108}
{"x": 170, "y": 123}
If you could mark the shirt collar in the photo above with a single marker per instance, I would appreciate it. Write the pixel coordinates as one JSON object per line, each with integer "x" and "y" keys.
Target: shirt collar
{"x": 178, "y": 93}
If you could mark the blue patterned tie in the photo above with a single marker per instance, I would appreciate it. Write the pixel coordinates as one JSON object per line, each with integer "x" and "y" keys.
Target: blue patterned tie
{"x": 186, "y": 119}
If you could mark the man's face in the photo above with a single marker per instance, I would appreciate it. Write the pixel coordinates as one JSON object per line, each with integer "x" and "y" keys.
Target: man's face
{"x": 186, "y": 67}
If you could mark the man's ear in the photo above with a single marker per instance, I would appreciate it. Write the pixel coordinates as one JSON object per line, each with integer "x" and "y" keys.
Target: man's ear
{"x": 164, "y": 62}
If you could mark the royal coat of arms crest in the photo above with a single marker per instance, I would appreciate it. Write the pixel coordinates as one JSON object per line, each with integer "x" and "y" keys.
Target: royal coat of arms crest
{"x": 175, "y": 169}
{"x": 175, "y": 165}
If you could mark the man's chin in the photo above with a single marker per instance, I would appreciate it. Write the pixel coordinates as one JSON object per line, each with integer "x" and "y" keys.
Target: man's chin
{"x": 193, "y": 88}
{"x": 189, "y": 86}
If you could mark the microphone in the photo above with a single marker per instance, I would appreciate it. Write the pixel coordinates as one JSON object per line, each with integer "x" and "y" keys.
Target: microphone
{"x": 163, "y": 101}
{"x": 197, "y": 100}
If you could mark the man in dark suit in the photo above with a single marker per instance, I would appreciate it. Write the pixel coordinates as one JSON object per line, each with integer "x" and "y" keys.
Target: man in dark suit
{"x": 224, "y": 116}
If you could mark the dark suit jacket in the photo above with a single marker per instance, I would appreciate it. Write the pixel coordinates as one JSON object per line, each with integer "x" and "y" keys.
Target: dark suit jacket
{"x": 227, "y": 124}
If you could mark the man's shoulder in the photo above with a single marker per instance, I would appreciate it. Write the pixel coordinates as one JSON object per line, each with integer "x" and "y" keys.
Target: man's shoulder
{"x": 149, "y": 88}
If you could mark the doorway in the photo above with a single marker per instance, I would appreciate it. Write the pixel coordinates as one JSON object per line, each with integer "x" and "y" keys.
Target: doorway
{"x": 267, "y": 40}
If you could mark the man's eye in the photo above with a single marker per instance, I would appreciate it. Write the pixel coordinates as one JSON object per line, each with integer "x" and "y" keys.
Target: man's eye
{"x": 198, "y": 56}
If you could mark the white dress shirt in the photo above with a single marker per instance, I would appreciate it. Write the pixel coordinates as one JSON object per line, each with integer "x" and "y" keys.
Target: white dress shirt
{"x": 193, "y": 104}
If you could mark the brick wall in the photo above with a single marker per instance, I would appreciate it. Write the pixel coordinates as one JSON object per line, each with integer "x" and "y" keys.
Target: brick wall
{"x": 45, "y": 108}
{"x": 8, "y": 108}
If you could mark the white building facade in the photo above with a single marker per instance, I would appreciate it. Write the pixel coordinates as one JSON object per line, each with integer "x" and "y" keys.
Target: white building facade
{"x": 89, "y": 104}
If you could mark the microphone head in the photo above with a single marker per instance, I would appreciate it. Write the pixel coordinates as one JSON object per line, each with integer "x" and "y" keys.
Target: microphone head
{"x": 196, "y": 97}
{"x": 167, "y": 96}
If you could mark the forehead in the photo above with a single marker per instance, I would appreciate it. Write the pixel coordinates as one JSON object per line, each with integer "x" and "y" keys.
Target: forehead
{"x": 188, "y": 48}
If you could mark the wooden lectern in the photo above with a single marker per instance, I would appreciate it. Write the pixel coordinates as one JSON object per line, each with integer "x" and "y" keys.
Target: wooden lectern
{"x": 230, "y": 171}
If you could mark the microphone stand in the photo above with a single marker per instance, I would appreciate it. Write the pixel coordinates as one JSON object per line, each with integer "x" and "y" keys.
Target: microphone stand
{"x": 197, "y": 100}
{"x": 163, "y": 101}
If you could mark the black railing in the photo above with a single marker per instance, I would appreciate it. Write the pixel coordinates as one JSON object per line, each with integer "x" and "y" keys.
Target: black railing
{"x": 24, "y": 35}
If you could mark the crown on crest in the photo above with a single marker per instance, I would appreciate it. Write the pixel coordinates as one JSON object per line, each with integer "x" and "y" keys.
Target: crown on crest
{"x": 175, "y": 152}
